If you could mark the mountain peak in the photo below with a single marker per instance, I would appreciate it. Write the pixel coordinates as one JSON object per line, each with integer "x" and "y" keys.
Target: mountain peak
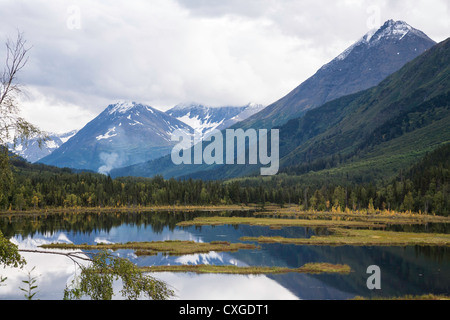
{"x": 391, "y": 23}
{"x": 391, "y": 30}
{"x": 376, "y": 55}
{"x": 121, "y": 107}
{"x": 124, "y": 107}
{"x": 254, "y": 105}
{"x": 188, "y": 105}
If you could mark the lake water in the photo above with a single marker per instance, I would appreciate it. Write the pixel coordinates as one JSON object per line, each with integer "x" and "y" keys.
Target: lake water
{"x": 404, "y": 270}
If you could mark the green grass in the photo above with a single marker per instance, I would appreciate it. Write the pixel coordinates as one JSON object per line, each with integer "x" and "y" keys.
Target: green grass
{"x": 382, "y": 217}
{"x": 352, "y": 237}
{"x": 276, "y": 223}
{"x": 314, "y": 268}
{"x": 175, "y": 247}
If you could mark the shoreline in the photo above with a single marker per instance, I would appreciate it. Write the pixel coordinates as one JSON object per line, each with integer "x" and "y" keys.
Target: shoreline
{"x": 271, "y": 215}
{"x": 129, "y": 209}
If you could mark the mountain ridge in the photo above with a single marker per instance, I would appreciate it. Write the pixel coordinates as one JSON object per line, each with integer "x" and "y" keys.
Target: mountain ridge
{"x": 373, "y": 133}
{"x": 363, "y": 65}
{"x": 32, "y": 152}
{"x": 166, "y": 168}
{"x": 126, "y": 133}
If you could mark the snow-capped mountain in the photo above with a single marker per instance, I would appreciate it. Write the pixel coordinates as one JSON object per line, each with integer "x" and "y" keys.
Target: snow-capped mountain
{"x": 392, "y": 30}
{"x": 31, "y": 150}
{"x": 125, "y": 133}
{"x": 374, "y": 57}
{"x": 378, "y": 54}
{"x": 204, "y": 119}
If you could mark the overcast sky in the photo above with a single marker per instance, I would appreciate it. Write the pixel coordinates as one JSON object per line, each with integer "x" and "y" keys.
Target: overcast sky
{"x": 88, "y": 54}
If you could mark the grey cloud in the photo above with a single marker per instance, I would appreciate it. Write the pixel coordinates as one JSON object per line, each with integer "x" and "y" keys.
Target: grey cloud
{"x": 211, "y": 8}
{"x": 163, "y": 52}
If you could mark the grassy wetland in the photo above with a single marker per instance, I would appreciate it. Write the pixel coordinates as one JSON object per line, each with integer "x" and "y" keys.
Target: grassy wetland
{"x": 311, "y": 268}
{"x": 352, "y": 237}
{"x": 275, "y": 222}
{"x": 346, "y": 228}
{"x": 170, "y": 247}
{"x": 376, "y": 216}
{"x": 355, "y": 228}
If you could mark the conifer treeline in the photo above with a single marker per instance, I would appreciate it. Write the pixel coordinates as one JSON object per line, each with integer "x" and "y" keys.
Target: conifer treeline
{"x": 425, "y": 188}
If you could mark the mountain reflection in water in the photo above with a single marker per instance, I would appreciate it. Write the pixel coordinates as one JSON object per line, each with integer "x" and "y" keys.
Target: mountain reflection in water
{"x": 405, "y": 270}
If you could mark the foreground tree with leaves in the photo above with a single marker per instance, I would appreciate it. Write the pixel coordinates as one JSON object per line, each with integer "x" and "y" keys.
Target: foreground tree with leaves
{"x": 12, "y": 128}
{"x": 96, "y": 281}
{"x": 9, "y": 255}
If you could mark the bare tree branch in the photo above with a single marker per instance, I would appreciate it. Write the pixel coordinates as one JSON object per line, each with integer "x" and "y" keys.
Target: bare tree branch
{"x": 12, "y": 126}
{"x": 72, "y": 255}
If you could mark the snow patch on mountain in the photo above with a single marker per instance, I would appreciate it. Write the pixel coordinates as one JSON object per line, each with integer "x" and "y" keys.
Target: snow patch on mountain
{"x": 205, "y": 119}
{"x": 135, "y": 123}
{"x": 51, "y": 144}
{"x": 67, "y": 136}
{"x": 107, "y": 135}
{"x": 391, "y": 30}
{"x": 122, "y": 107}
{"x": 200, "y": 124}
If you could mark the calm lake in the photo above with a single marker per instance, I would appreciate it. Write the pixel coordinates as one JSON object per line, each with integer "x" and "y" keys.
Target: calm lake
{"x": 409, "y": 270}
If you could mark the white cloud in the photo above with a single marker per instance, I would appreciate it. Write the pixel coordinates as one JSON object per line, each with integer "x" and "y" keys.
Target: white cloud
{"x": 53, "y": 114}
{"x": 164, "y": 52}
